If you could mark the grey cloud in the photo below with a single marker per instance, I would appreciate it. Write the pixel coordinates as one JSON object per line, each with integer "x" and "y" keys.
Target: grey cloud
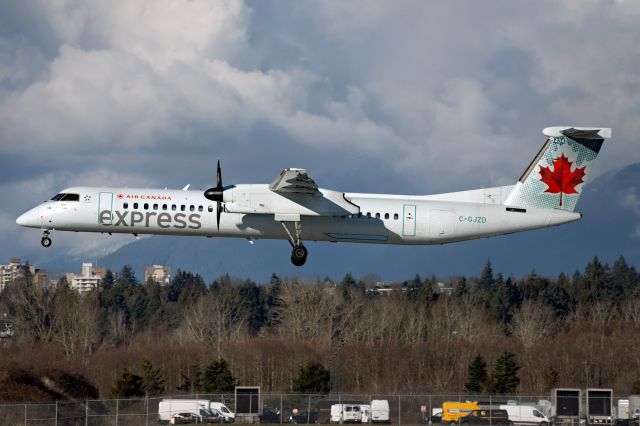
{"x": 369, "y": 96}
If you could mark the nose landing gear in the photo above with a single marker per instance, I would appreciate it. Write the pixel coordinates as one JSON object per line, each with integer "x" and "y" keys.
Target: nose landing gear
{"x": 45, "y": 241}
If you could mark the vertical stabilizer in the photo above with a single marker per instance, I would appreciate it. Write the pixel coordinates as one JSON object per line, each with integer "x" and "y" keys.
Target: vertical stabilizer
{"x": 556, "y": 176}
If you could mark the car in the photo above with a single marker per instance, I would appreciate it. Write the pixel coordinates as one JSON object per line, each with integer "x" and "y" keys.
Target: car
{"x": 269, "y": 415}
{"x": 433, "y": 420}
{"x": 304, "y": 417}
{"x": 486, "y": 416}
{"x": 185, "y": 418}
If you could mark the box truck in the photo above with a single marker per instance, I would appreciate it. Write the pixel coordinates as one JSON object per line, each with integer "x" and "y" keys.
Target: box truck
{"x": 452, "y": 411}
{"x": 599, "y": 406}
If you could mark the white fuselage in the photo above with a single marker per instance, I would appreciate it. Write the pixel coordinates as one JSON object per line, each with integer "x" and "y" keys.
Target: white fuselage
{"x": 251, "y": 212}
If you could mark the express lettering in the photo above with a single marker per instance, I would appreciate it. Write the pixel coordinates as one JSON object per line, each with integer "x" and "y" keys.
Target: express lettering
{"x": 149, "y": 219}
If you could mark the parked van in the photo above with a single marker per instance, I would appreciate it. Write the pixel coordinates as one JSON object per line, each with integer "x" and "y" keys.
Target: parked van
{"x": 346, "y": 413}
{"x": 366, "y": 413}
{"x": 452, "y": 411}
{"x": 525, "y": 415}
{"x": 380, "y": 411}
{"x": 223, "y": 410}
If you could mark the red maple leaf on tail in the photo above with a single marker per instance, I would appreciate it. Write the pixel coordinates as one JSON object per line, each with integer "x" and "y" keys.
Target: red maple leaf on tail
{"x": 562, "y": 179}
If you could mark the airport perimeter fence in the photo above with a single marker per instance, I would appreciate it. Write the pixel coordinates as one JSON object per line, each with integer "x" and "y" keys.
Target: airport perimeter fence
{"x": 403, "y": 409}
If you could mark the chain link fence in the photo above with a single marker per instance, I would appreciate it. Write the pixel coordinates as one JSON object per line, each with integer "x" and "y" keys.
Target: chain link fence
{"x": 288, "y": 408}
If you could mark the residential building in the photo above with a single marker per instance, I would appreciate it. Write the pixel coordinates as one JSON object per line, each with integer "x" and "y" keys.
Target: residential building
{"x": 10, "y": 272}
{"x": 158, "y": 273}
{"x": 86, "y": 281}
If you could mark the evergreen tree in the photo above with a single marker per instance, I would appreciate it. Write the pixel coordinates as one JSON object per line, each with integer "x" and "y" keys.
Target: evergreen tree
{"x": 462, "y": 287}
{"x": 252, "y": 304}
{"x": 108, "y": 281}
{"x": 312, "y": 377}
{"x": 127, "y": 385}
{"x": 127, "y": 277}
{"x": 273, "y": 303}
{"x": 153, "y": 379}
{"x": 191, "y": 380}
{"x": 504, "y": 299}
{"x": 486, "y": 280}
{"x": 505, "y": 374}
{"x": 477, "y": 376}
{"x": 217, "y": 377}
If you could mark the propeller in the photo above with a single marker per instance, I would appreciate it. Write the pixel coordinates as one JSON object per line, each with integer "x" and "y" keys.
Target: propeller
{"x": 216, "y": 194}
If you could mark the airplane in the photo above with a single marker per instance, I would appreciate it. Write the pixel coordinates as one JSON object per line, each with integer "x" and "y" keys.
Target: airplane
{"x": 294, "y": 208}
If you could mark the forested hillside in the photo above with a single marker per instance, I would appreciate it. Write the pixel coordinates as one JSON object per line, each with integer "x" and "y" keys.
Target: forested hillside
{"x": 576, "y": 331}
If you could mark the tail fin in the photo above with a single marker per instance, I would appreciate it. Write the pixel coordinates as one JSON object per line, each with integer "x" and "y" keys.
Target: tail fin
{"x": 556, "y": 176}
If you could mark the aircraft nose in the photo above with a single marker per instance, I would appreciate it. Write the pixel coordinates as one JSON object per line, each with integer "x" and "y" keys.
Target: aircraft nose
{"x": 29, "y": 218}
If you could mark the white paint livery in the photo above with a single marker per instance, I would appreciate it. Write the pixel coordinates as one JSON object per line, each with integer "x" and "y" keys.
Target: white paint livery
{"x": 294, "y": 208}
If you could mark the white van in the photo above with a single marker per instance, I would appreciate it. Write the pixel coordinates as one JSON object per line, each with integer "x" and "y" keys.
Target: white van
{"x": 380, "y": 411}
{"x": 223, "y": 410}
{"x": 525, "y": 415}
{"x": 346, "y": 413}
{"x": 366, "y": 413}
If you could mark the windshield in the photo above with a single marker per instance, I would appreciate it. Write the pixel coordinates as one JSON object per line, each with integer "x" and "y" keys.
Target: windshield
{"x": 224, "y": 409}
{"x": 66, "y": 197}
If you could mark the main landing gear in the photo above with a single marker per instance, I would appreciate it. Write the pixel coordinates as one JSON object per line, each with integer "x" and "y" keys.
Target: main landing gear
{"x": 299, "y": 252}
{"x": 45, "y": 241}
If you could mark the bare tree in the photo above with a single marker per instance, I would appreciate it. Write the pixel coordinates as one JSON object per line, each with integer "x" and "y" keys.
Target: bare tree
{"x": 34, "y": 307}
{"x": 532, "y": 322}
{"x": 215, "y": 319}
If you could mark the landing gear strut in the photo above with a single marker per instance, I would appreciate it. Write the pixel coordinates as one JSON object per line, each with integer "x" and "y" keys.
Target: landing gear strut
{"x": 299, "y": 252}
{"x": 45, "y": 241}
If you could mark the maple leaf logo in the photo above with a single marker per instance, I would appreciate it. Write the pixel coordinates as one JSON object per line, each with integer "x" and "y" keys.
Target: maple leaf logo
{"x": 562, "y": 179}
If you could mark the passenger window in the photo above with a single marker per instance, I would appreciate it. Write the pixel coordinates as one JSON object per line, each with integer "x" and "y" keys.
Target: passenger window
{"x": 155, "y": 207}
{"x": 200, "y": 208}
{"x": 173, "y": 207}
{"x": 164, "y": 207}
{"x": 386, "y": 215}
{"x": 192, "y": 208}
{"x": 146, "y": 206}
{"x": 395, "y": 216}
{"x": 210, "y": 208}
{"x": 135, "y": 206}
{"x": 369, "y": 215}
{"x": 377, "y": 215}
{"x": 183, "y": 208}
{"x": 359, "y": 214}
{"x": 125, "y": 205}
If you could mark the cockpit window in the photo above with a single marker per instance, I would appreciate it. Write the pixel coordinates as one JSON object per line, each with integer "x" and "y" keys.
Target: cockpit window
{"x": 66, "y": 197}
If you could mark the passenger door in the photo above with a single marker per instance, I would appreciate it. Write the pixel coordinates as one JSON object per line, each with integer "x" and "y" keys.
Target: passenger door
{"x": 409, "y": 220}
{"x": 105, "y": 208}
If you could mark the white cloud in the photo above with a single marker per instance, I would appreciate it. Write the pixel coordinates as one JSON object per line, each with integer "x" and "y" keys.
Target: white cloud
{"x": 433, "y": 96}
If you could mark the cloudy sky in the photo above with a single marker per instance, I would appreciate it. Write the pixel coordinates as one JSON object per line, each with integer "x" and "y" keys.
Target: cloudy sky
{"x": 377, "y": 96}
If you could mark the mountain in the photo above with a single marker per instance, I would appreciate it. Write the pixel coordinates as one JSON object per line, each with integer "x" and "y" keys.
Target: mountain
{"x": 608, "y": 229}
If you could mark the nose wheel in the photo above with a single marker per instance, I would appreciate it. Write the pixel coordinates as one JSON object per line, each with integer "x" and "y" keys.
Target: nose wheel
{"x": 45, "y": 241}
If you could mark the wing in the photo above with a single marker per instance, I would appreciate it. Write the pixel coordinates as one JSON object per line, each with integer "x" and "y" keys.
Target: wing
{"x": 294, "y": 181}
